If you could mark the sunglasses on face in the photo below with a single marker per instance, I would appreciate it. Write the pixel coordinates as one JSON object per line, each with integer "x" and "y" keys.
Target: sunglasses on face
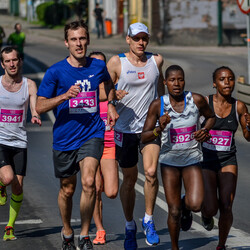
{"x": 137, "y": 38}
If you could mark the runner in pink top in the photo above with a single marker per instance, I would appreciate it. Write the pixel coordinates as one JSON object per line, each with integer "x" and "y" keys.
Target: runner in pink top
{"x": 107, "y": 172}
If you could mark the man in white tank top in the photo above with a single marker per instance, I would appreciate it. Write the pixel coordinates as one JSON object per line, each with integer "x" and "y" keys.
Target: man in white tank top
{"x": 139, "y": 80}
{"x": 16, "y": 92}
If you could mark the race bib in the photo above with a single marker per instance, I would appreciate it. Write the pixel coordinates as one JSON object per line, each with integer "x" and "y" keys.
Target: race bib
{"x": 85, "y": 102}
{"x": 104, "y": 118}
{"x": 118, "y": 136}
{"x": 11, "y": 117}
{"x": 182, "y": 138}
{"x": 221, "y": 140}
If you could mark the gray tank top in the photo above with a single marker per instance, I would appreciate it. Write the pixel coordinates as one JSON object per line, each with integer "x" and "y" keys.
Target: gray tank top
{"x": 141, "y": 84}
{"x": 178, "y": 146}
{"x": 13, "y": 112}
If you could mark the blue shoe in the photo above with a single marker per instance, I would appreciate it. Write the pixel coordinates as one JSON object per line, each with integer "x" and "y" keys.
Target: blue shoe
{"x": 152, "y": 237}
{"x": 130, "y": 239}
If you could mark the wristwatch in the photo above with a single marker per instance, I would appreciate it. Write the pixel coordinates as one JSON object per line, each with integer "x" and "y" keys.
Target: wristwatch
{"x": 113, "y": 102}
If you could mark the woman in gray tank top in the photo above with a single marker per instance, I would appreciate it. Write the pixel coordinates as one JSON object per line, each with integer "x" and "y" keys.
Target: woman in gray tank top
{"x": 178, "y": 115}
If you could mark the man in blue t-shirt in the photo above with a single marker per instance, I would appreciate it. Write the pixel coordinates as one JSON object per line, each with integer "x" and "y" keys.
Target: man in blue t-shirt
{"x": 71, "y": 88}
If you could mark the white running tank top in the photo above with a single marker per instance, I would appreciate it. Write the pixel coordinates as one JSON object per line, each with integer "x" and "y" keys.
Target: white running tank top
{"x": 13, "y": 113}
{"x": 178, "y": 146}
{"x": 141, "y": 84}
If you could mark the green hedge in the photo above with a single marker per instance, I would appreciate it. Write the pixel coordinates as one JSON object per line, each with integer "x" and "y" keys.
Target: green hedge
{"x": 41, "y": 9}
{"x": 51, "y": 13}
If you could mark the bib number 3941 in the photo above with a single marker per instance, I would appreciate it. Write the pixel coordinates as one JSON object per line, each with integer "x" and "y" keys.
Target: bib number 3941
{"x": 11, "y": 117}
{"x": 85, "y": 102}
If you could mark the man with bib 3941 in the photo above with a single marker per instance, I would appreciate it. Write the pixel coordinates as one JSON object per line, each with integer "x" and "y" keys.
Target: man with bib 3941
{"x": 16, "y": 93}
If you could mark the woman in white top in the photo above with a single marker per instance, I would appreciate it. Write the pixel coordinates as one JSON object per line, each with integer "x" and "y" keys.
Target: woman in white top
{"x": 178, "y": 114}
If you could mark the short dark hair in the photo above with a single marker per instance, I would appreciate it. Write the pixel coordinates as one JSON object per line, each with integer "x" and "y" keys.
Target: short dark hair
{"x": 74, "y": 26}
{"x": 97, "y": 53}
{"x": 17, "y": 24}
{"x": 174, "y": 68}
{"x": 8, "y": 50}
{"x": 219, "y": 69}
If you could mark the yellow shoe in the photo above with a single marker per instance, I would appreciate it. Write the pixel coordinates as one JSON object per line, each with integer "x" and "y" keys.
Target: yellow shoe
{"x": 9, "y": 234}
{"x": 3, "y": 195}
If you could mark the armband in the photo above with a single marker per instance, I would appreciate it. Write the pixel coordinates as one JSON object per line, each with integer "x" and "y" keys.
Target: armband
{"x": 248, "y": 128}
{"x": 155, "y": 132}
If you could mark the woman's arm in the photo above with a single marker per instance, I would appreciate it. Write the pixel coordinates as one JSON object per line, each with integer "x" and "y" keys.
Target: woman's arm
{"x": 150, "y": 132}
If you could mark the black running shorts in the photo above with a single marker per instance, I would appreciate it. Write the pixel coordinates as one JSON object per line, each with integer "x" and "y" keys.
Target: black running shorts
{"x": 127, "y": 154}
{"x": 66, "y": 163}
{"x": 16, "y": 157}
{"x": 217, "y": 164}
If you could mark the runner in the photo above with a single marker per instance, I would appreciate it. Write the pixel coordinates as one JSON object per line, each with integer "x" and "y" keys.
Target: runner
{"x": 220, "y": 168}
{"x": 178, "y": 114}
{"x": 16, "y": 93}
{"x": 139, "y": 74}
{"x": 107, "y": 173}
{"x": 2, "y": 36}
{"x": 71, "y": 88}
{"x": 17, "y": 39}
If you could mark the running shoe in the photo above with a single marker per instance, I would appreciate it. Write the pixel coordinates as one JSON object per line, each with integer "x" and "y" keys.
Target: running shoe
{"x": 130, "y": 239}
{"x": 152, "y": 237}
{"x": 9, "y": 234}
{"x": 100, "y": 238}
{"x": 68, "y": 244}
{"x": 186, "y": 216}
{"x": 207, "y": 223}
{"x": 3, "y": 195}
{"x": 84, "y": 243}
{"x": 220, "y": 248}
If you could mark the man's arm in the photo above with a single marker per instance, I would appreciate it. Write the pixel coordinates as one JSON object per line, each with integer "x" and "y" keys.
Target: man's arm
{"x": 114, "y": 69}
{"x": 161, "y": 87}
{"x": 102, "y": 93}
{"x": 32, "y": 102}
{"x": 244, "y": 118}
{"x": 44, "y": 104}
{"x": 110, "y": 92}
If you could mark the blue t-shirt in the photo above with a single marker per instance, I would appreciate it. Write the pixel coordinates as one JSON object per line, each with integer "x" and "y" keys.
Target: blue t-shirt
{"x": 77, "y": 119}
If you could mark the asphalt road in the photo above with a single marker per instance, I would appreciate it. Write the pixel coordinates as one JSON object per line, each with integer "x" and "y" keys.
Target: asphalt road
{"x": 38, "y": 226}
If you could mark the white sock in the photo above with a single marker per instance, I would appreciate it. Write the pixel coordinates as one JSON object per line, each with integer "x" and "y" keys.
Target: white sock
{"x": 130, "y": 225}
{"x": 68, "y": 236}
{"x": 148, "y": 218}
{"x": 83, "y": 236}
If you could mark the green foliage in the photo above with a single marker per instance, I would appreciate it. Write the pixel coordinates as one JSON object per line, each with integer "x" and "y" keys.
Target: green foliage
{"x": 41, "y": 10}
{"x": 53, "y": 13}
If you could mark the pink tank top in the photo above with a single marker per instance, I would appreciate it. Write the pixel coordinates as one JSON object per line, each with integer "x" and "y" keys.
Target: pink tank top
{"x": 109, "y": 134}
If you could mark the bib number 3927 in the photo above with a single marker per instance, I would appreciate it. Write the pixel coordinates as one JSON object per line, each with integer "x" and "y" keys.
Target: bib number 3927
{"x": 220, "y": 141}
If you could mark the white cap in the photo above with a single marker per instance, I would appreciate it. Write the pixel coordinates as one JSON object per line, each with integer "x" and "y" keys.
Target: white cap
{"x": 137, "y": 28}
